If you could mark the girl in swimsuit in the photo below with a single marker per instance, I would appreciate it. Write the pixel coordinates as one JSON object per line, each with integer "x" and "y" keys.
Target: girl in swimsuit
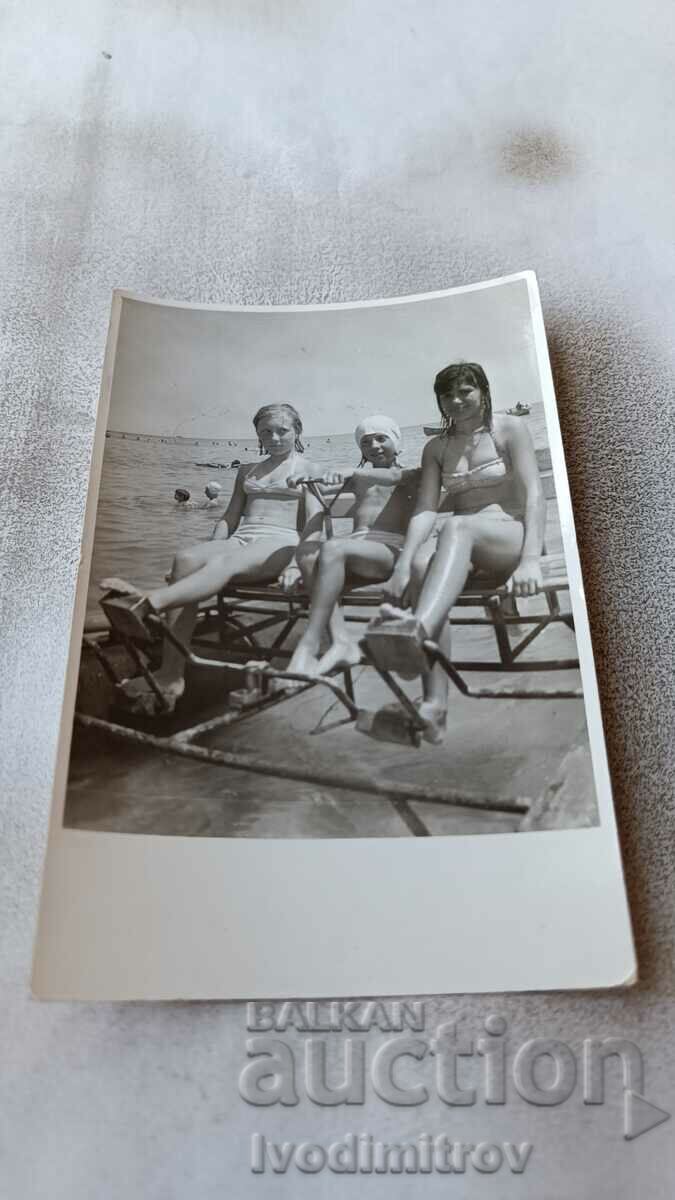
{"x": 253, "y": 542}
{"x": 491, "y": 519}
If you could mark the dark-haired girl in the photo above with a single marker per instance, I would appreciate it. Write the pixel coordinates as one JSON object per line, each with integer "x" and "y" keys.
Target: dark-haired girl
{"x": 252, "y": 542}
{"x": 482, "y": 470}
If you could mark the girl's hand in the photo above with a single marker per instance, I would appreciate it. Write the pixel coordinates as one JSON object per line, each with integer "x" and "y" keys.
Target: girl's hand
{"x": 397, "y": 585}
{"x": 220, "y": 531}
{"x": 330, "y": 479}
{"x": 290, "y": 577}
{"x": 296, "y": 481}
{"x": 527, "y": 578}
{"x": 333, "y": 479}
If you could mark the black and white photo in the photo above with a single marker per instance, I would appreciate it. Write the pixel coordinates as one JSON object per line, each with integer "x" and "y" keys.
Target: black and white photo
{"x": 330, "y": 598}
{"x": 290, "y": 505}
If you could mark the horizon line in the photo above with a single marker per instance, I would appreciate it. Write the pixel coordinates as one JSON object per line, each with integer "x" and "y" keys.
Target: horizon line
{"x": 205, "y": 437}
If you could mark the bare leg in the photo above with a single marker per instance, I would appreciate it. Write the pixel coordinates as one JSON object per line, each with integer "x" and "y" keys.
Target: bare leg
{"x": 493, "y": 545}
{"x": 445, "y": 577}
{"x": 181, "y": 622}
{"x": 308, "y": 562}
{"x": 307, "y": 558}
{"x": 372, "y": 560}
{"x": 497, "y": 554}
{"x": 188, "y": 565}
{"x": 198, "y": 574}
{"x": 369, "y": 560}
{"x": 433, "y": 707}
{"x": 302, "y": 660}
{"x": 489, "y": 543}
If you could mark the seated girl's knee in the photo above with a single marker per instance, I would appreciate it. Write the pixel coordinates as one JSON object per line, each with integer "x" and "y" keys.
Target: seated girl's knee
{"x": 420, "y": 563}
{"x": 306, "y": 563}
{"x": 453, "y": 527}
{"x": 306, "y": 557}
{"x": 333, "y": 549}
{"x": 183, "y": 564}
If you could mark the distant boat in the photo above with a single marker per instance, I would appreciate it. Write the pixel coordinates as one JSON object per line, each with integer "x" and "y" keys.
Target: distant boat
{"x": 521, "y": 410}
{"x": 214, "y": 466}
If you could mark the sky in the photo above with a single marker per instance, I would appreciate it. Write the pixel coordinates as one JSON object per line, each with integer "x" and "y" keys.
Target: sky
{"x": 204, "y": 372}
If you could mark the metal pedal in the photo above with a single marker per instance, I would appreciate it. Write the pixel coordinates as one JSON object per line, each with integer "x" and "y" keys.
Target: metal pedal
{"x": 397, "y": 646}
{"x": 243, "y": 697}
{"x": 389, "y": 724}
{"x": 127, "y": 616}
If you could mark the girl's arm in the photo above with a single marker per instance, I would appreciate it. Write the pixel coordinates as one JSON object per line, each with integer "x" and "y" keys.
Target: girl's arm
{"x": 421, "y": 522}
{"x": 382, "y": 475}
{"x": 313, "y": 527}
{"x": 311, "y": 534}
{"x": 426, "y": 506}
{"x": 527, "y": 579}
{"x": 333, "y": 482}
{"x": 225, "y": 527}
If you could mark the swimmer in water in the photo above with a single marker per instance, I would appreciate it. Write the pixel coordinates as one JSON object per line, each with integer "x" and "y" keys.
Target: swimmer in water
{"x": 212, "y": 492}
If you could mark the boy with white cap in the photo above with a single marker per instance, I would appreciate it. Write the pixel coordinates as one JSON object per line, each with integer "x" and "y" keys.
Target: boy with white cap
{"x": 385, "y": 496}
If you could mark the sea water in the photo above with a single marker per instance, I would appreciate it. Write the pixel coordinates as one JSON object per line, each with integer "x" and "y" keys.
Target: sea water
{"x": 139, "y": 525}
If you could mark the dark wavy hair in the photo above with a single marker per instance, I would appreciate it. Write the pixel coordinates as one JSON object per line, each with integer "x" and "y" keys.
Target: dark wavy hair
{"x": 455, "y": 375}
{"x": 291, "y": 412}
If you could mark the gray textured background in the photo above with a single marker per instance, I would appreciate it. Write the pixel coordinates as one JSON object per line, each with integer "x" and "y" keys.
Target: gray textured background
{"x": 258, "y": 152}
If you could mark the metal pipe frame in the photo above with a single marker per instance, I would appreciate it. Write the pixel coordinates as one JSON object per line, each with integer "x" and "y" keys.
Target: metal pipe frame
{"x": 286, "y": 611}
{"x": 292, "y": 609}
{"x": 400, "y": 795}
{"x": 345, "y": 780}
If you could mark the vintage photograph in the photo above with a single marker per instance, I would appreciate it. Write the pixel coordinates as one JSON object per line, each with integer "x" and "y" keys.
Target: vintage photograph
{"x": 328, "y": 593}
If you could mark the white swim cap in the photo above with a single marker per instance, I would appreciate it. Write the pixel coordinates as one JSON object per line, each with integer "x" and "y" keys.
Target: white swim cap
{"x": 213, "y": 483}
{"x": 378, "y": 424}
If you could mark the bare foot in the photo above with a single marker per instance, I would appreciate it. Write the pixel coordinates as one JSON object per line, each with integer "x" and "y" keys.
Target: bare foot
{"x": 434, "y": 716}
{"x": 395, "y": 639}
{"x": 140, "y": 693}
{"x": 343, "y": 653}
{"x": 121, "y": 586}
{"x": 389, "y": 612}
{"x": 137, "y": 686}
{"x": 304, "y": 661}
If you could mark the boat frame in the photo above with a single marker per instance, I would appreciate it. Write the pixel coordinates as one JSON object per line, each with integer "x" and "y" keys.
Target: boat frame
{"x": 243, "y": 614}
{"x": 232, "y": 630}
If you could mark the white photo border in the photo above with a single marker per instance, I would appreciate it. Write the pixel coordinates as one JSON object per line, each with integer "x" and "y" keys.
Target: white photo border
{"x": 132, "y": 916}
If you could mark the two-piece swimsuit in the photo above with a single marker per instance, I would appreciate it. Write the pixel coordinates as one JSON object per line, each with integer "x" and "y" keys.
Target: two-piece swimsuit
{"x": 251, "y": 531}
{"x": 386, "y": 537}
{"x": 493, "y": 473}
